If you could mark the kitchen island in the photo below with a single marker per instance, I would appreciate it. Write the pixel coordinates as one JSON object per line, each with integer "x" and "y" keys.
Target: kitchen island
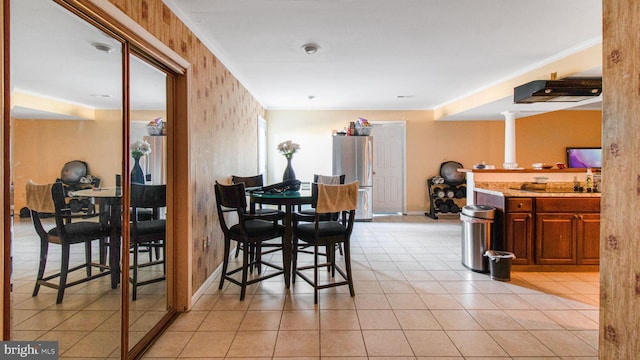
{"x": 549, "y": 229}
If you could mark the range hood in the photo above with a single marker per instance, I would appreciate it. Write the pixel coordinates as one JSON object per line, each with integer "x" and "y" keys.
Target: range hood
{"x": 565, "y": 90}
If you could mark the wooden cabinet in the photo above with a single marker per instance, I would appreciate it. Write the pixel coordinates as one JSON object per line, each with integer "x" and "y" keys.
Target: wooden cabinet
{"x": 555, "y": 239}
{"x": 518, "y": 233}
{"x": 546, "y": 230}
{"x": 567, "y": 231}
{"x": 588, "y": 233}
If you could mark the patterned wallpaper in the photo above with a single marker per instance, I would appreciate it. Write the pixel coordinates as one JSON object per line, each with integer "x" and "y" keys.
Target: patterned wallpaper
{"x": 222, "y": 127}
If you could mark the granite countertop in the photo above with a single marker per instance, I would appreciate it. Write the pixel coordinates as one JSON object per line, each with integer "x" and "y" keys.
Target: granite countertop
{"x": 514, "y": 191}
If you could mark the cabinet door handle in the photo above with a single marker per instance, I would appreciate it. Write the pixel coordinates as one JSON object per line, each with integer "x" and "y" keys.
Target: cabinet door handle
{"x": 519, "y": 205}
{"x": 528, "y": 216}
{"x": 575, "y": 216}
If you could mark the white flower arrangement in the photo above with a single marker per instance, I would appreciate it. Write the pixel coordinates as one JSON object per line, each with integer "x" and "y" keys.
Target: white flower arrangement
{"x": 288, "y": 148}
{"x": 140, "y": 148}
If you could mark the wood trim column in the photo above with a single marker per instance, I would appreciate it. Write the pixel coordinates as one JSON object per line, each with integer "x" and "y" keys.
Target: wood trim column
{"x": 619, "y": 243}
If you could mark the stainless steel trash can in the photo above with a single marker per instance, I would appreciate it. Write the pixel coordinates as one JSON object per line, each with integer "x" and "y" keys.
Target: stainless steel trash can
{"x": 477, "y": 221}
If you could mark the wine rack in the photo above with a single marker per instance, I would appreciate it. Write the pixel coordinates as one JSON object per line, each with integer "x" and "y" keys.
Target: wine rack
{"x": 442, "y": 197}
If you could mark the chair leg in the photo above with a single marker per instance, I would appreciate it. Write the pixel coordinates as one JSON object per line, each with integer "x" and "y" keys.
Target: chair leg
{"x": 134, "y": 281}
{"x": 347, "y": 259}
{"x": 103, "y": 252}
{"x": 245, "y": 270}
{"x": 294, "y": 261}
{"x": 315, "y": 273}
{"x": 164, "y": 257}
{"x": 258, "y": 258}
{"x": 44, "y": 251}
{"x": 225, "y": 261}
{"x": 251, "y": 250}
{"x": 64, "y": 269}
{"x": 340, "y": 249}
{"x": 333, "y": 258}
{"x": 87, "y": 256}
{"x": 158, "y": 248}
{"x": 237, "y": 250}
{"x": 328, "y": 256}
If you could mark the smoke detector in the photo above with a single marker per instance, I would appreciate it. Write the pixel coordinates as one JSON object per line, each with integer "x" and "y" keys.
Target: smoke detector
{"x": 310, "y": 48}
{"x": 102, "y": 47}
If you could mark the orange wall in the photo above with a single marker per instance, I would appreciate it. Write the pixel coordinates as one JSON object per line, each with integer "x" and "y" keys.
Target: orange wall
{"x": 42, "y": 147}
{"x": 543, "y": 138}
{"x": 540, "y": 138}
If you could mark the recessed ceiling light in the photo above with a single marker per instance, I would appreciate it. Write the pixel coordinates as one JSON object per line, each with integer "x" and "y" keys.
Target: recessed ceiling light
{"x": 311, "y": 97}
{"x": 405, "y": 96}
{"x": 101, "y": 95}
{"x": 102, "y": 47}
{"x": 310, "y": 48}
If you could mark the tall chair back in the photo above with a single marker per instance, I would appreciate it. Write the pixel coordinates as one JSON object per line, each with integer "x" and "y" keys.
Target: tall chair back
{"x": 249, "y": 181}
{"x": 147, "y": 234}
{"x": 327, "y": 232}
{"x": 251, "y": 231}
{"x": 50, "y": 198}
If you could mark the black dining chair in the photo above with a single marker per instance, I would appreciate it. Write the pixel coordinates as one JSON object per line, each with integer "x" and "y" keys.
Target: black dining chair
{"x": 69, "y": 229}
{"x": 309, "y": 213}
{"x": 147, "y": 234}
{"x": 321, "y": 179}
{"x": 252, "y": 230}
{"x": 253, "y": 182}
{"x": 329, "y": 199}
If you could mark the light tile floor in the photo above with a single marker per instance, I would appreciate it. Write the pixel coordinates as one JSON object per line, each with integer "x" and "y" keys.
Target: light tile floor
{"x": 414, "y": 300}
{"x": 87, "y": 323}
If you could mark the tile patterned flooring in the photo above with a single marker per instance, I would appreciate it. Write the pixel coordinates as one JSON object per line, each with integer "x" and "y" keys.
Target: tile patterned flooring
{"x": 87, "y": 323}
{"x": 414, "y": 300}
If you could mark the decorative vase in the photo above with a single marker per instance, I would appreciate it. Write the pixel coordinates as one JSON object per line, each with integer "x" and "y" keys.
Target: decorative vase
{"x": 289, "y": 174}
{"x": 137, "y": 175}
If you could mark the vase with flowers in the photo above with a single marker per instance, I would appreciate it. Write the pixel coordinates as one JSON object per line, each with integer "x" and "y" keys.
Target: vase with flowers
{"x": 139, "y": 149}
{"x": 288, "y": 148}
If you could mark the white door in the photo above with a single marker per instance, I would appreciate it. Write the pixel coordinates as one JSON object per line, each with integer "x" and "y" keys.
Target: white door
{"x": 388, "y": 167}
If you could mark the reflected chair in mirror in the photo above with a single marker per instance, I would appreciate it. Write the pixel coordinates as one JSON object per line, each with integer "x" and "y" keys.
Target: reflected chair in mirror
{"x": 147, "y": 234}
{"x": 328, "y": 199}
{"x": 69, "y": 229}
{"x": 252, "y": 182}
{"x": 251, "y": 230}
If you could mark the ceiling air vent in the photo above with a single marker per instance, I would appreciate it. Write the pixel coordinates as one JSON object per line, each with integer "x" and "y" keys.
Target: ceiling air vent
{"x": 566, "y": 90}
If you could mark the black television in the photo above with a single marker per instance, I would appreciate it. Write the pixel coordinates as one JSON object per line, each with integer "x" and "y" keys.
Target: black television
{"x": 584, "y": 157}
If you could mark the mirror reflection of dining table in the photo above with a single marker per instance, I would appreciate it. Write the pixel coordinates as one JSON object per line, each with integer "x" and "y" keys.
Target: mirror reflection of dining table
{"x": 289, "y": 200}
{"x": 109, "y": 201}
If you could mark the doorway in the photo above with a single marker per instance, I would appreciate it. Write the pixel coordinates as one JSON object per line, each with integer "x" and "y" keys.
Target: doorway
{"x": 389, "y": 158}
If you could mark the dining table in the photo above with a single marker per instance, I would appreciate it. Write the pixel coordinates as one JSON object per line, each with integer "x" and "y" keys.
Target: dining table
{"x": 109, "y": 201}
{"x": 289, "y": 200}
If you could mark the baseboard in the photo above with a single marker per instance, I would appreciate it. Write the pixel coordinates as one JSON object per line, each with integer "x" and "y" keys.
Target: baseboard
{"x": 210, "y": 281}
{"x": 556, "y": 268}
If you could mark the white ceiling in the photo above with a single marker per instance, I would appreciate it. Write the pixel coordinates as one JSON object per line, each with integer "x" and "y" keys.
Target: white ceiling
{"x": 52, "y": 57}
{"x": 371, "y": 51}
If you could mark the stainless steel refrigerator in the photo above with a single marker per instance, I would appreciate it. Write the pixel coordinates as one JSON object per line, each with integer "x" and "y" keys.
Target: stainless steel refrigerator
{"x": 353, "y": 157}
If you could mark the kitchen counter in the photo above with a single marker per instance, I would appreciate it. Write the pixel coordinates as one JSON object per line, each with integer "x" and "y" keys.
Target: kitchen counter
{"x": 511, "y": 192}
{"x": 546, "y": 230}
{"x": 507, "y": 182}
